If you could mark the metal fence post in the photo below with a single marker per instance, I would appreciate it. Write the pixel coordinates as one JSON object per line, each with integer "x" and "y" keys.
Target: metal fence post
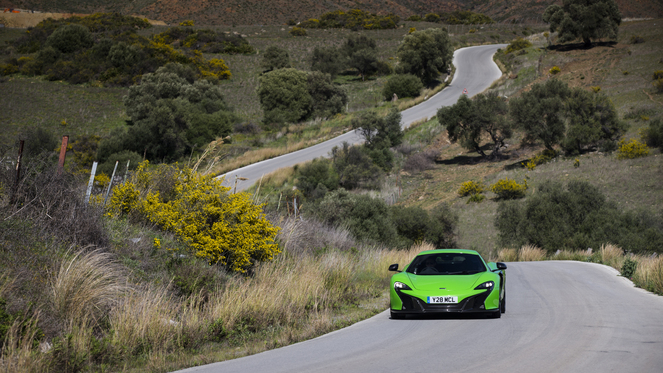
{"x": 91, "y": 182}
{"x": 110, "y": 184}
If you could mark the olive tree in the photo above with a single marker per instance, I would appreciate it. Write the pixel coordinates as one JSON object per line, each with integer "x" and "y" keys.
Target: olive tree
{"x": 584, "y": 19}
{"x": 426, "y": 54}
{"x": 275, "y": 58}
{"x": 284, "y": 95}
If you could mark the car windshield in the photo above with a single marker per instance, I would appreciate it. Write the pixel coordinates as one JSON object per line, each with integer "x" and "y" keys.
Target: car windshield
{"x": 446, "y": 264}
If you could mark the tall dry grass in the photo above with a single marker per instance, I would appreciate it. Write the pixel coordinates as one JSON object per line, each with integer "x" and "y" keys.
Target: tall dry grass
{"x": 86, "y": 286}
{"x": 531, "y": 253}
{"x": 611, "y": 255}
{"x": 649, "y": 274}
{"x": 17, "y": 354}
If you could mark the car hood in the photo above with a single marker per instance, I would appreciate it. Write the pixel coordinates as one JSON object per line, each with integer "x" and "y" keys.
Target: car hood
{"x": 450, "y": 282}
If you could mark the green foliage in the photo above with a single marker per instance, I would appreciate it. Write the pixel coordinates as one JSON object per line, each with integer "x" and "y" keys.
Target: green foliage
{"x": 361, "y": 53}
{"x": 468, "y": 120}
{"x": 379, "y": 133}
{"x": 366, "y": 218}
{"x": 355, "y": 168}
{"x": 629, "y": 267}
{"x": 509, "y": 189}
{"x": 354, "y": 19}
{"x": 653, "y": 134}
{"x": 582, "y": 19}
{"x": 478, "y": 198}
{"x": 170, "y": 115}
{"x": 70, "y": 38}
{"x": 471, "y": 188}
{"x": 328, "y": 60}
{"x": 464, "y": 17}
{"x": 546, "y": 156}
{"x": 402, "y": 85}
{"x": 539, "y": 112}
{"x": 431, "y": 17}
{"x": 426, "y": 54}
{"x": 121, "y": 157}
{"x": 275, "y": 58}
{"x": 314, "y": 179}
{"x": 106, "y": 48}
{"x": 225, "y": 229}
{"x": 327, "y": 99}
{"x": 414, "y": 18}
{"x": 298, "y": 31}
{"x": 593, "y": 123}
{"x": 284, "y": 96}
{"x": 632, "y": 149}
{"x": 518, "y": 44}
{"x": 576, "y": 217}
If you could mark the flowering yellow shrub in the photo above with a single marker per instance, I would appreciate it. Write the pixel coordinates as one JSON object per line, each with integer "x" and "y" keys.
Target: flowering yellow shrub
{"x": 188, "y": 22}
{"x": 632, "y": 149}
{"x": 509, "y": 189}
{"x": 470, "y": 188}
{"x": 226, "y": 229}
{"x": 545, "y": 157}
{"x": 555, "y": 70}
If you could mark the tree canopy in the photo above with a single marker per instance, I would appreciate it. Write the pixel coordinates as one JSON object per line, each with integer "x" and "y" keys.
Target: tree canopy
{"x": 584, "y": 19}
{"x": 469, "y": 119}
{"x": 275, "y": 58}
{"x": 425, "y": 54}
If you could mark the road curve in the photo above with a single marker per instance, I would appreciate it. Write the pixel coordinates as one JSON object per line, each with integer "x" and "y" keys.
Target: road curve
{"x": 475, "y": 71}
{"x": 562, "y": 316}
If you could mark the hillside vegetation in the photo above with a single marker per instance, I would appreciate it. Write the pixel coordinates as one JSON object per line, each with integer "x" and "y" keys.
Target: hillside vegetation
{"x": 176, "y": 270}
{"x": 278, "y": 12}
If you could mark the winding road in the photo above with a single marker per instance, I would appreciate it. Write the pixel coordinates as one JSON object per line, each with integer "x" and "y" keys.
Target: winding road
{"x": 562, "y": 316}
{"x": 475, "y": 71}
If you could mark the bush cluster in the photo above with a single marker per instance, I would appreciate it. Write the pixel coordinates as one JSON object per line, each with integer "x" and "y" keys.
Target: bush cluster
{"x": 355, "y": 19}
{"x": 291, "y": 95}
{"x": 224, "y": 229}
{"x": 106, "y": 48}
{"x": 517, "y": 45}
{"x": 509, "y": 189}
{"x": 470, "y": 188}
{"x": 546, "y": 156}
{"x": 653, "y": 134}
{"x": 458, "y": 17}
{"x": 577, "y": 216}
{"x": 371, "y": 220}
{"x": 632, "y": 149}
{"x": 402, "y": 85}
{"x": 357, "y": 53}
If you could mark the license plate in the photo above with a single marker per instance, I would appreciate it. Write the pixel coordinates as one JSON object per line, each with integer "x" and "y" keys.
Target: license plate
{"x": 442, "y": 300}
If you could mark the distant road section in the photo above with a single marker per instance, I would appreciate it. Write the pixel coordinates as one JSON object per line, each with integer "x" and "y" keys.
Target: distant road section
{"x": 475, "y": 71}
{"x": 561, "y": 316}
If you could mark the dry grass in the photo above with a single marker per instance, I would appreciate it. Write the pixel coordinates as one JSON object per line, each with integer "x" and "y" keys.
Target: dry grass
{"x": 507, "y": 255}
{"x": 611, "y": 255}
{"x": 579, "y": 255}
{"x": 17, "y": 354}
{"x": 529, "y": 253}
{"x": 86, "y": 286}
{"x": 649, "y": 274}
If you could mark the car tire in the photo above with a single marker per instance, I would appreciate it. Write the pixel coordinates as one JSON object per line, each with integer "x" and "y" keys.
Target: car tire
{"x": 503, "y": 304}
{"x": 396, "y": 316}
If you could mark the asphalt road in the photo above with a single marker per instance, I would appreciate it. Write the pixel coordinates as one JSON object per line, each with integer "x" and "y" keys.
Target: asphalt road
{"x": 561, "y": 317}
{"x": 475, "y": 71}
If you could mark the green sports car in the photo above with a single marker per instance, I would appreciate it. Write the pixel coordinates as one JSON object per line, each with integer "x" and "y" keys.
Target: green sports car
{"x": 448, "y": 280}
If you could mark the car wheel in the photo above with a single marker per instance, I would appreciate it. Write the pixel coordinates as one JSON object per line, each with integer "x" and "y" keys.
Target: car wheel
{"x": 396, "y": 316}
{"x": 503, "y": 304}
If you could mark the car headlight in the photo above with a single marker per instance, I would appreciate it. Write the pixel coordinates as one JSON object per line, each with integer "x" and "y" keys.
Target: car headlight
{"x": 485, "y": 285}
{"x": 401, "y": 286}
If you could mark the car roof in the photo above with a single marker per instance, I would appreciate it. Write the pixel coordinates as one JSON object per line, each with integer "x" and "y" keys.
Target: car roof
{"x": 455, "y": 251}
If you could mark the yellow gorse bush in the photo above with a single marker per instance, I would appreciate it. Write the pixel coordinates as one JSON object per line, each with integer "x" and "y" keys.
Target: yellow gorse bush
{"x": 226, "y": 229}
{"x": 470, "y": 188}
{"x": 632, "y": 149}
{"x": 509, "y": 189}
{"x": 545, "y": 157}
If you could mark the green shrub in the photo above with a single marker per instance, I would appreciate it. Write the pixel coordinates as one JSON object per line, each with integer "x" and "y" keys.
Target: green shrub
{"x": 509, "y": 189}
{"x": 8, "y": 69}
{"x": 658, "y": 74}
{"x": 629, "y": 267}
{"x": 431, "y": 17}
{"x": 518, "y": 44}
{"x": 575, "y": 218}
{"x": 545, "y": 157}
{"x": 478, "y": 198}
{"x": 402, "y": 85}
{"x": 298, "y": 31}
{"x": 653, "y": 134}
{"x": 632, "y": 149}
{"x": 318, "y": 175}
{"x": 414, "y": 18}
{"x": 70, "y": 38}
{"x": 471, "y": 188}
{"x": 275, "y": 58}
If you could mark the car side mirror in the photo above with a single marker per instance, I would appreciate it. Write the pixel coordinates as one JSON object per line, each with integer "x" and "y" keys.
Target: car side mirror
{"x": 501, "y": 265}
{"x": 393, "y": 267}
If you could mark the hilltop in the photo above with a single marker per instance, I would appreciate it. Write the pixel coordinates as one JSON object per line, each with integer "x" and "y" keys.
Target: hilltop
{"x": 252, "y": 12}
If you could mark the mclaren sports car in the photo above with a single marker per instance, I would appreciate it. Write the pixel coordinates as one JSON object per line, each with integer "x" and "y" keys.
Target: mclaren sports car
{"x": 448, "y": 280}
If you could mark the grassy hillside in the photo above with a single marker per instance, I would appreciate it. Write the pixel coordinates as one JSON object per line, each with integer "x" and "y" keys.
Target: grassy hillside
{"x": 248, "y": 12}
